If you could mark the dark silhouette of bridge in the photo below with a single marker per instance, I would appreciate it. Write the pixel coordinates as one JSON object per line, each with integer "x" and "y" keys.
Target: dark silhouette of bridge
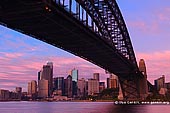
{"x": 91, "y": 29}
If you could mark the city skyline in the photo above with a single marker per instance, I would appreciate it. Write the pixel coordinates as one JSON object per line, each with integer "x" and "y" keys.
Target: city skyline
{"x": 22, "y": 56}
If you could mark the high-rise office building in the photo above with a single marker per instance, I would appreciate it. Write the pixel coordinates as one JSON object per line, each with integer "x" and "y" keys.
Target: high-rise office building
{"x": 32, "y": 89}
{"x": 43, "y": 88}
{"x": 101, "y": 86}
{"x": 68, "y": 86}
{"x": 4, "y": 95}
{"x": 19, "y": 92}
{"x": 29, "y": 88}
{"x": 39, "y": 75}
{"x": 59, "y": 85}
{"x": 96, "y": 76}
{"x": 93, "y": 86}
{"x": 51, "y": 77}
{"x": 112, "y": 81}
{"x": 74, "y": 74}
{"x": 160, "y": 83}
{"x": 81, "y": 84}
{"x": 47, "y": 74}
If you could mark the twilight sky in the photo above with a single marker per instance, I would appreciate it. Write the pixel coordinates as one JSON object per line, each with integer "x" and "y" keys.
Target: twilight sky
{"x": 148, "y": 23}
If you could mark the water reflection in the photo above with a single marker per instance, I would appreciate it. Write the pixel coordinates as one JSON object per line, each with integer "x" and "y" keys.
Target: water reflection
{"x": 79, "y": 107}
{"x": 128, "y": 109}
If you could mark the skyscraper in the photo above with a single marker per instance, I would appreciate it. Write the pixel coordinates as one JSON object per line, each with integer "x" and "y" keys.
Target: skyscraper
{"x": 47, "y": 74}
{"x": 93, "y": 86}
{"x": 74, "y": 74}
{"x": 68, "y": 86}
{"x": 101, "y": 86}
{"x": 59, "y": 84}
{"x": 96, "y": 76}
{"x": 39, "y": 75}
{"x": 81, "y": 84}
{"x": 43, "y": 88}
{"x": 19, "y": 92}
{"x": 32, "y": 89}
{"x": 160, "y": 83}
{"x": 29, "y": 88}
{"x": 4, "y": 94}
{"x": 112, "y": 81}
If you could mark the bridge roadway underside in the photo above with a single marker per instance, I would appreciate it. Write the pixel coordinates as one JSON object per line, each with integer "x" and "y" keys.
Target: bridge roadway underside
{"x": 54, "y": 25}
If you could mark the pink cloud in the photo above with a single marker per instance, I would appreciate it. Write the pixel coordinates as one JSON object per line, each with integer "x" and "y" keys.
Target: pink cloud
{"x": 164, "y": 14}
{"x": 25, "y": 69}
{"x": 11, "y": 55}
{"x": 145, "y": 27}
{"x": 154, "y": 23}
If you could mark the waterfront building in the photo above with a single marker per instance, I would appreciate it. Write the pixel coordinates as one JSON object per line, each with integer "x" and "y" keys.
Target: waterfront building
{"x": 159, "y": 83}
{"x": 19, "y": 92}
{"x": 32, "y": 89}
{"x": 29, "y": 88}
{"x": 74, "y": 74}
{"x": 68, "y": 86}
{"x": 58, "y": 83}
{"x": 93, "y": 86}
{"x": 112, "y": 81}
{"x": 39, "y": 75}
{"x": 81, "y": 87}
{"x": 101, "y": 86}
{"x": 96, "y": 76}
{"x": 14, "y": 96}
{"x": 47, "y": 74}
{"x": 4, "y": 95}
{"x": 43, "y": 88}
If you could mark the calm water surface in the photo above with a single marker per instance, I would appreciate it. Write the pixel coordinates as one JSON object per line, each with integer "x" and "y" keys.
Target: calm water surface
{"x": 79, "y": 107}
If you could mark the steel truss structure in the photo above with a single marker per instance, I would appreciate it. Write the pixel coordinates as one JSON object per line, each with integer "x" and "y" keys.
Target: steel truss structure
{"x": 99, "y": 18}
{"x": 108, "y": 23}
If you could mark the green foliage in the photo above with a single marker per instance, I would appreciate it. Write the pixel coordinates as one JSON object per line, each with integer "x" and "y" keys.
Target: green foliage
{"x": 109, "y": 94}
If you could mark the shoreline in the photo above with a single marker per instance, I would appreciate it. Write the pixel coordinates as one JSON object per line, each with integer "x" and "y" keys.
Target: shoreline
{"x": 58, "y": 101}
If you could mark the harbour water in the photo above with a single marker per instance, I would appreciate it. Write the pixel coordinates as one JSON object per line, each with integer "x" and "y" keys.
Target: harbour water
{"x": 79, "y": 107}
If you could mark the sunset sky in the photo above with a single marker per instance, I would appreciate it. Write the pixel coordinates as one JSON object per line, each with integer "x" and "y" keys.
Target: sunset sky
{"x": 148, "y": 23}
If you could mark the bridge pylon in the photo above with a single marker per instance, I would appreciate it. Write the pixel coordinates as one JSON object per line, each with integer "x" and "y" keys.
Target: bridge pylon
{"x": 130, "y": 88}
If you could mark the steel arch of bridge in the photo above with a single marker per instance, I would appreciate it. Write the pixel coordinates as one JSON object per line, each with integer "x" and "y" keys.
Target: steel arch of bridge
{"x": 99, "y": 18}
{"x": 108, "y": 23}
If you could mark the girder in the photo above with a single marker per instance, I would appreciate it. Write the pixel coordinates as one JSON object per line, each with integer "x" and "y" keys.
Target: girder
{"x": 90, "y": 7}
{"x": 96, "y": 32}
{"x": 122, "y": 26}
{"x": 111, "y": 25}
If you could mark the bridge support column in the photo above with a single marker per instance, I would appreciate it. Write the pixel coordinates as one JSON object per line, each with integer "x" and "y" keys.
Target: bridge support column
{"x": 130, "y": 88}
{"x": 143, "y": 88}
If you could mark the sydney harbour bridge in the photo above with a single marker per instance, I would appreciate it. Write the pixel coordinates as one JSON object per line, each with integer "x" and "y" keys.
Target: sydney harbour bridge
{"x": 91, "y": 29}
